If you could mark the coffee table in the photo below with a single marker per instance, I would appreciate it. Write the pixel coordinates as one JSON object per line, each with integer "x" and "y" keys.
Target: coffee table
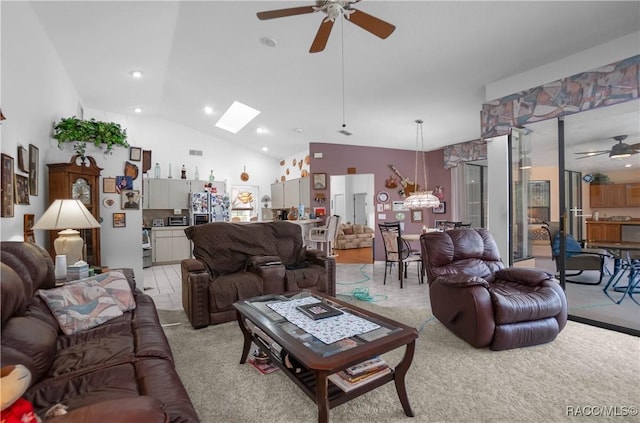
{"x": 277, "y": 336}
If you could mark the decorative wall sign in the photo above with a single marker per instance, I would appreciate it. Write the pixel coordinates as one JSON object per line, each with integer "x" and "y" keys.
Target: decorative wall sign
{"x": 34, "y": 170}
{"x": 399, "y": 206}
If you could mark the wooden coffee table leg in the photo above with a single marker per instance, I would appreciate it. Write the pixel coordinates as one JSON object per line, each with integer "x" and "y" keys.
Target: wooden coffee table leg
{"x": 400, "y": 372}
{"x": 322, "y": 396}
{"x": 247, "y": 338}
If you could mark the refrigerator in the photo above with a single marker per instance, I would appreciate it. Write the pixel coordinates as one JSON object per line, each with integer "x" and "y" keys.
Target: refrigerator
{"x": 209, "y": 205}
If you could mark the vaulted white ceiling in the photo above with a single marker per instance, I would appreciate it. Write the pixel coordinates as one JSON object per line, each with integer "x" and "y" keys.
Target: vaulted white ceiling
{"x": 433, "y": 67}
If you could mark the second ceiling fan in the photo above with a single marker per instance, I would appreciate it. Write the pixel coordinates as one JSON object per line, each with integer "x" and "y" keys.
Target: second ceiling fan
{"x": 617, "y": 151}
{"x": 333, "y": 9}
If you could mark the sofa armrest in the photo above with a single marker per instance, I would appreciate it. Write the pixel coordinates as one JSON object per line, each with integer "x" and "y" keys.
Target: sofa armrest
{"x": 523, "y": 275}
{"x": 461, "y": 280}
{"x": 195, "y": 298}
{"x": 272, "y": 272}
{"x": 127, "y": 410}
{"x": 315, "y": 256}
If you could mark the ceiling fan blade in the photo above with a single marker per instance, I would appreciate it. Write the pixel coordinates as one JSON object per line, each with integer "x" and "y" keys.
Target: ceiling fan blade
{"x": 376, "y": 26}
{"x": 586, "y": 156}
{"x": 591, "y": 153}
{"x": 281, "y": 13}
{"x": 322, "y": 36}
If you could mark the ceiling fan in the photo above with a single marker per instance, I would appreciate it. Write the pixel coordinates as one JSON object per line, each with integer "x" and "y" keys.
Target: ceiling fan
{"x": 617, "y": 151}
{"x": 333, "y": 9}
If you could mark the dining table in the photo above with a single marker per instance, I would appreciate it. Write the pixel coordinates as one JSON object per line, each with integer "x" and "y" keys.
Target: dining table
{"x": 626, "y": 256}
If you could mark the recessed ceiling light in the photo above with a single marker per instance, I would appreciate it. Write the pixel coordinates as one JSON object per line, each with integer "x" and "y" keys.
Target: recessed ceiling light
{"x": 261, "y": 130}
{"x": 627, "y": 165}
{"x": 299, "y": 130}
{"x": 136, "y": 74}
{"x": 236, "y": 117}
{"x": 138, "y": 109}
{"x": 265, "y": 149}
{"x": 268, "y": 41}
{"x": 208, "y": 110}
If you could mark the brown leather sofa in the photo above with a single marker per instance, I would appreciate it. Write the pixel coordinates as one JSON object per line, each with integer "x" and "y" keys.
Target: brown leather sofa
{"x": 120, "y": 371}
{"x": 484, "y": 303}
{"x": 237, "y": 261}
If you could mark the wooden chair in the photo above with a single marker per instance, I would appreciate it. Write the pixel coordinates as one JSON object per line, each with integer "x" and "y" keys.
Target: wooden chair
{"x": 397, "y": 250}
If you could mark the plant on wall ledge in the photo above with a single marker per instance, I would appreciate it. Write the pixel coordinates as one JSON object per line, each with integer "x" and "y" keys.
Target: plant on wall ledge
{"x": 103, "y": 135}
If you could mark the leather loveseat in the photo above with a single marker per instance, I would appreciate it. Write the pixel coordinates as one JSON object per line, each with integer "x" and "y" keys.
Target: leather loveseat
{"x": 237, "y": 261}
{"x": 484, "y": 303}
{"x": 119, "y": 371}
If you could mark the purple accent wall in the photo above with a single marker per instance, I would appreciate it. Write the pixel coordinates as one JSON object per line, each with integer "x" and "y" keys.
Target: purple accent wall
{"x": 337, "y": 158}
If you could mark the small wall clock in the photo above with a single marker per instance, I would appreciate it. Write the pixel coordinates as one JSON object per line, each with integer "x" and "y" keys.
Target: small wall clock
{"x": 382, "y": 197}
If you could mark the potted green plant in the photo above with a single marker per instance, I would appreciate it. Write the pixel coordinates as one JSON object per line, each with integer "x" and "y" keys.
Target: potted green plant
{"x": 104, "y": 135}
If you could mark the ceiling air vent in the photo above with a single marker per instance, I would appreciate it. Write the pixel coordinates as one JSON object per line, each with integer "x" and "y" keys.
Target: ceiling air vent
{"x": 345, "y": 132}
{"x": 195, "y": 152}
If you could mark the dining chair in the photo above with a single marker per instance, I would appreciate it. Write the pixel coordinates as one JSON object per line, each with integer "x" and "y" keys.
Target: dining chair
{"x": 397, "y": 250}
{"x": 326, "y": 234}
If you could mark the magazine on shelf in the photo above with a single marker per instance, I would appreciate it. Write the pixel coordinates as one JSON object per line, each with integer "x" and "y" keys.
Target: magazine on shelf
{"x": 318, "y": 310}
{"x": 375, "y": 363}
{"x": 342, "y": 382}
{"x": 264, "y": 368}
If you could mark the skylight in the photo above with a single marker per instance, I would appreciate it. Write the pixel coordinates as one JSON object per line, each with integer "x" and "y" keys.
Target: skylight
{"x": 236, "y": 117}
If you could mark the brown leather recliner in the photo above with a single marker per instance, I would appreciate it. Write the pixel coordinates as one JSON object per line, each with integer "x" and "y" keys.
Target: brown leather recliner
{"x": 235, "y": 261}
{"x": 484, "y": 303}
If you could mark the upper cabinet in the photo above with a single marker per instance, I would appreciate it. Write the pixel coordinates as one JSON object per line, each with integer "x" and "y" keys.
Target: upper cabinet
{"x": 614, "y": 195}
{"x": 166, "y": 193}
{"x": 290, "y": 193}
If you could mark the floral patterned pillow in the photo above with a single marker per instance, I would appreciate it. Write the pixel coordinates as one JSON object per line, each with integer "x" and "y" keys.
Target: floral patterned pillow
{"x": 117, "y": 286}
{"x": 80, "y": 306}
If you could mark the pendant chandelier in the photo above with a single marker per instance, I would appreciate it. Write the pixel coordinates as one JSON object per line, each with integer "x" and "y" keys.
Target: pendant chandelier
{"x": 421, "y": 199}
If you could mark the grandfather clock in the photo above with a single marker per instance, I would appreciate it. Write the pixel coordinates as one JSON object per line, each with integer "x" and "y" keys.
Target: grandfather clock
{"x": 79, "y": 180}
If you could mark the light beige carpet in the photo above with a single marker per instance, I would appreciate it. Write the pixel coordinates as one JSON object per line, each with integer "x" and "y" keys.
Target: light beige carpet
{"x": 449, "y": 381}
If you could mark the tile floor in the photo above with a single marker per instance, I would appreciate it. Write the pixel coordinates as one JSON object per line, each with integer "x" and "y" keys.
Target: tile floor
{"x": 163, "y": 284}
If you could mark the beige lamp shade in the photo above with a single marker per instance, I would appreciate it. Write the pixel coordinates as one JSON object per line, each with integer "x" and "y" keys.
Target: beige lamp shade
{"x": 67, "y": 215}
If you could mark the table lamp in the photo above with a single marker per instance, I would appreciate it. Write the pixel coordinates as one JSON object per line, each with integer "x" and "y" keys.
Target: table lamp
{"x": 68, "y": 215}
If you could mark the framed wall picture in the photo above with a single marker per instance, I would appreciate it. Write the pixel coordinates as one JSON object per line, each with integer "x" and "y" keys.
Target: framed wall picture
{"x": 130, "y": 199}
{"x": 119, "y": 220}
{"x": 439, "y": 224}
{"x": 123, "y": 183}
{"x": 34, "y": 163}
{"x": 7, "y": 186}
{"x": 22, "y": 189}
{"x": 441, "y": 209}
{"x": 319, "y": 181}
{"x": 135, "y": 154}
{"x": 416, "y": 215}
{"x": 23, "y": 159}
{"x": 29, "y": 221}
{"x": 109, "y": 185}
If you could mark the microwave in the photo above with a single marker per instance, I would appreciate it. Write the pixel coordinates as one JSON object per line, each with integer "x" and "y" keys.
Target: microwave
{"x": 177, "y": 221}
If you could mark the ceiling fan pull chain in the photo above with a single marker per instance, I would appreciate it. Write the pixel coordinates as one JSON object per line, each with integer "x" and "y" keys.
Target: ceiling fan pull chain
{"x": 344, "y": 119}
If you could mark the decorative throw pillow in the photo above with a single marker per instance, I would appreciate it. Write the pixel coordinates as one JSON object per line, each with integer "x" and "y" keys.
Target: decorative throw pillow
{"x": 117, "y": 286}
{"x": 348, "y": 230}
{"x": 571, "y": 245}
{"x": 80, "y": 306}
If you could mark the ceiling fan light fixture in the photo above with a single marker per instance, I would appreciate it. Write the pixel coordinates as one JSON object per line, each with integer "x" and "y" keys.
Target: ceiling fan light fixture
{"x": 620, "y": 151}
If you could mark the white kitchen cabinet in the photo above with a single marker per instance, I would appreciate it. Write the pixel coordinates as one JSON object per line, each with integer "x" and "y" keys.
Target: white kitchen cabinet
{"x": 290, "y": 193}
{"x": 169, "y": 245}
{"x": 168, "y": 193}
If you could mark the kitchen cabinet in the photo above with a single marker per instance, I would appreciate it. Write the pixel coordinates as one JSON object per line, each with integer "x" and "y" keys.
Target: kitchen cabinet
{"x": 632, "y": 195}
{"x": 167, "y": 193}
{"x": 603, "y": 231}
{"x": 614, "y": 195}
{"x": 169, "y": 245}
{"x": 291, "y": 193}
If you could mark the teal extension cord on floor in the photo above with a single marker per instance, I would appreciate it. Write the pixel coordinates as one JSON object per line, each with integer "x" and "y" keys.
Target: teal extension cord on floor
{"x": 361, "y": 293}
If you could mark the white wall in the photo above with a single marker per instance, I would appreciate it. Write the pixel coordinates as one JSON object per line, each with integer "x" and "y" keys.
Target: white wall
{"x": 37, "y": 91}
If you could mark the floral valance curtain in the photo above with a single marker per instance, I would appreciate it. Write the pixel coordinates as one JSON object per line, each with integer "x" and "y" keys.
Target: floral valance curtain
{"x": 610, "y": 84}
